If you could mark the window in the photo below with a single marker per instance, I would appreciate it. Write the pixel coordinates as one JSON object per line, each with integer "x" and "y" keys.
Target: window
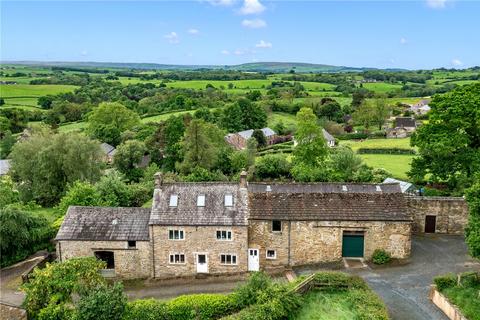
{"x": 132, "y": 244}
{"x": 228, "y": 200}
{"x": 228, "y": 259}
{"x": 173, "y": 200}
{"x": 276, "y": 225}
{"x": 224, "y": 235}
{"x": 271, "y": 254}
{"x": 176, "y": 235}
{"x": 177, "y": 258}
{"x": 201, "y": 200}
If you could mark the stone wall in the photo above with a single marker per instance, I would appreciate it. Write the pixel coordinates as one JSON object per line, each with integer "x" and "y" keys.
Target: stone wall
{"x": 130, "y": 263}
{"x": 11, "y": 312}
{"x": 450, "y": 310}
{"x": 451, "y": 213}
{"x": 200, "y": 239}
{"x": 311, "y": 242}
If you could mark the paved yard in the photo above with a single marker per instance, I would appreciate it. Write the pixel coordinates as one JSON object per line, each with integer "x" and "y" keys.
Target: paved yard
{"x": 405, "y": 288}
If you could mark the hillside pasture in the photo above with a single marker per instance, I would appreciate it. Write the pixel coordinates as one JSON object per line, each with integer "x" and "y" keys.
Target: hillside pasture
{"x": 377, "y": 143}
{"x": 382, "y": 87}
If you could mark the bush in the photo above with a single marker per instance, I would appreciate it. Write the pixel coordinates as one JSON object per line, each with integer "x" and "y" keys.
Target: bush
{"x": 272, "y": 166}
{"x": 385, "y": 151}
{"x": 201, "y": 306}
{"x": 353, "y": 136}
{"x": 102, "y": 303}
{"x": 380, "y": 256}
{"x": 339, "y": 280}
{"x": 248, "y": 293}
{"x": 445, "y": 281}
{"x": 149, "y": 309}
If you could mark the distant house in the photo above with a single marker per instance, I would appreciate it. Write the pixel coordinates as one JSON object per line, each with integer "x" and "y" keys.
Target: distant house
{"x": 4, "y": 167}
{"x": 405, "y": 186}
{"x": 408, "y": 123}
{"x": 329, "y": 138}
{"x": 108, "y": 151}
{"x": 420, "y": 107}
{"x": 239, "y": 139}
{"x": 394, "y": 133}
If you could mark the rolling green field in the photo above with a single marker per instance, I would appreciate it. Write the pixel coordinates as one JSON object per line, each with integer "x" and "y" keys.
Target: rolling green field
{"x": 377, "y": 143}
{"x": 398, "y": 165}
{"x": 381, "y": 87}
{"x": 26, "y": 95}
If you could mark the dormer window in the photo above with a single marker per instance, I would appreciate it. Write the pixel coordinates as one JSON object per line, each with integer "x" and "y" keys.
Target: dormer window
{"x": 228, "y": 200}
{"x": 173, "y": 200}
{"x": 344, "y": 188}
{"x": 201, "y": 200}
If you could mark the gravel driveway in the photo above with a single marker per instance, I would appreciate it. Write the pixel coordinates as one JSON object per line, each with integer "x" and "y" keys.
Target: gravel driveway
{"x": 405, "y": 288}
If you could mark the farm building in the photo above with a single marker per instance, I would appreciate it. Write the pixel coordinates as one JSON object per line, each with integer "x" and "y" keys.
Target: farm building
{"x": 231, "y": 228}
{"x": 407, "y": 123}
{"x": 239, "y": 139}
{"x": 108, "y": 152}
{"x": 329, "y": 138}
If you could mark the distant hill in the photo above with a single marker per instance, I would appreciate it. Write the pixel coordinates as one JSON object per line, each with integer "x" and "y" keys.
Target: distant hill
{"x": 275, "y": 67}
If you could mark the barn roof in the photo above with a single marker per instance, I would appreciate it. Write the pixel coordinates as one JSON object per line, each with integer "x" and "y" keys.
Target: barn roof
{"x": 327, "y": 135}
{"x": 328, "y": 202}
{"x": 247, "y": 134}
{"x": 188, "y": 213}
{"x": 405, "y": 122}
{"x": 104, "y": 224}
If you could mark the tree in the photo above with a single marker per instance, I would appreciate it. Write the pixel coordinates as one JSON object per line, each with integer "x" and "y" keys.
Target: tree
{"x": 44, "y": 164}
{"x": 253, "y": 116}
{"x": 102, "y": 303}
{"x": 381, "y": 111}
{"x": 260, "y": 137}
{"x": 2, "y": 101}
{"x": 113, "y": 190}
{"x": 449, "y": 144}
{"x": 6, "y": 144}
{"x": 311, "y": 148}
{"x": 109, "y": 120}
{"x": 201, "y": 146}
{"x": 272, "y": 166}
{"x": 232, "y": 118}
{"x": 472, "y": 231}
{"x": 363, "y": 115}
{"x": 55, "y": 284}
{"x": 21, "y": 234}
{"x": 344, "y": 164}
{"x": 80, "y": 194}
{"x": 127, "y": 157}
{"x": 330, "y": 109}
{"x": 45, "y": 102}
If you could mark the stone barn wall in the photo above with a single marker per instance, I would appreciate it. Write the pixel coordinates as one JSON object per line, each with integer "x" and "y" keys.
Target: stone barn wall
{"x": 312, "y": 242}
{"x": 197, "y": 239}
{"x": 130, "y": 263}
{"x": 451, "y": 213}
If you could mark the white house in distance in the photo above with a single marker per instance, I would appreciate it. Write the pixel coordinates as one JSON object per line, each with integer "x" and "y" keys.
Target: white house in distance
{"x": 327, "y": 136}
{"x": 421, "y": 107}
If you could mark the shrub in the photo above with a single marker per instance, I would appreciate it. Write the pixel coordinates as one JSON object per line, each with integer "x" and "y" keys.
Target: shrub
{"x": 149, "y": 309}
{"x": 201, "y": 306}
{"x": 272, "y": 166}
{"x": 248, "y": 293}
{"x": 339, "y": 280}
{"x": 445, "y": 281}
{"x": 380, "y": 256}
{"x": 353, "y": 136}
{"x": 385, "y": 151}
{"x": 102, "y": 303}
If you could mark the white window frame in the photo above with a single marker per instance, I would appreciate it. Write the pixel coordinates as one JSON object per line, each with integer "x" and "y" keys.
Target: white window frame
{"x": 226, "y": 233}
{"x": 231, "y": 259}
{"x": 199, "y": 203}
{"x": 173, "y": 202}
{"x": 179, "y": 254}
{"x": 180, "y": 232}
{"x": 225, "y": 200}
{"x": 274, "y": 254}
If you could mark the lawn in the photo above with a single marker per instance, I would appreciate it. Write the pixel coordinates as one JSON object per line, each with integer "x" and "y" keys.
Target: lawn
{"x": 382, "y": 87}
{"x": 322, "y": 306}
{"x": 287, "y": 119}
{"x": 377, "y": 143}
{"x": 398, "y": 165}
{"x": 30, "y": 90}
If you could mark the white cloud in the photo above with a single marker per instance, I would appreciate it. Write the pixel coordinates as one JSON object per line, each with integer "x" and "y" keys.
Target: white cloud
{"x": 172, "y": 37}
{"x": 437, "y": 4}
{"x": 239, "y": 52}
{"x": 193, "y": 31}
{"x": 223, "y": 3}
{"x": 254, "y": 24}
{"x": 252, "y": 7}
{"x": 263, "y": 44}
{"x": 84, "y": 53}
{"x": 225, "y": 52}
{"x": 403, "y": 41}
{"x": 457, "y": 63}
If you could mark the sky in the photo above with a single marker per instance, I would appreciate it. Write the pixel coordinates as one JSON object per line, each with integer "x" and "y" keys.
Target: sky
{"x": 419, "y": 34}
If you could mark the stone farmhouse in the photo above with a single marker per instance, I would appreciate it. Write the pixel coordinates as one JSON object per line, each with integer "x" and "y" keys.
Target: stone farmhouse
{"x": 239, "y": 139}
{"x": 224, "y": 228}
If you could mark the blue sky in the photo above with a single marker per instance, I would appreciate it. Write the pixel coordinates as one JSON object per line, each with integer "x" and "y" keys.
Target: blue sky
{"x": 404, "y": 34}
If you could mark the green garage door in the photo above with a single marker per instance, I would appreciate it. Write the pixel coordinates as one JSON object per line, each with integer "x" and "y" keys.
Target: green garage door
{"x": 352, "y": 245}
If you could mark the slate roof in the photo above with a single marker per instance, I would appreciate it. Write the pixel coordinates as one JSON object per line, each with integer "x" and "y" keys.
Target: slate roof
{"x": 105, "y": 224}
{"x": 108, "y": 149}
{"x": 4, "y": 167}
{"x": 327, "y": 202}
{"x": 214, "y": 213}
{"x": 327, "y": 135}
{"x": 405, "y": 122}
{"x": 404, "y": 185}
{"x": 247, "y": 134}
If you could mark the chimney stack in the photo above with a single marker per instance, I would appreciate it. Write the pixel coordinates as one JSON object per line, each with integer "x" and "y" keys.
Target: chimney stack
{"x": 243, "y": 179}
{"x": 158, "y": 179}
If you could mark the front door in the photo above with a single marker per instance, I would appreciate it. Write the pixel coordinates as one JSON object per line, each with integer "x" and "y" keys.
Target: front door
{"x": 430, "y": 224}
{"x": 253, "y": 260}
{"x": 202, "y": 263}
